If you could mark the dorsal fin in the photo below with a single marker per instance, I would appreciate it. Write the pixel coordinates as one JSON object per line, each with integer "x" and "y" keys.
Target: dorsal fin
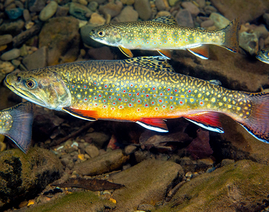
{"x": 158, "y": 63}
{"x": 166, "y": 20}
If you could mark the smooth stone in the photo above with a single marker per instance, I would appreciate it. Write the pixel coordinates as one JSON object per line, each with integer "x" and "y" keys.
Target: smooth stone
{"x": 261, "y": 31}
{"x": 128, "y": 14}
{"x": 184, "y": 18}
{"x": 11, "y": 54}
{"x": 13, "y": 28}
{"x": 93, "y": 6}
{"x": 11, "y": 6}
{"x": 8, "y": 2}
{"x": 27, "y": 174}
{"x": 98, "y": 1}
{"x": 110, "y": 161}
{"x": 92, "y": 151}
{"x": 19, "y": 4}
{"x": 48, "y": 11}
{"x": 173, "y": 2}
{"x": 83, "y": 2}
{"x": 113, "y": 9}
{"x": 219, "y": 21}
{"x": 26, "y": 15}
{"x": 97, "y": 19}
{"x": 98, "y": 138}
{"x": 161, "y": 4}
{"x": 226, "y": 162}
{"x": 36, "y": 60}
{"x": 266, "y": 19}
{"x": 130, "y": 149}
{"x": 193, "y": 9}
{"x": 79, "y": 11}
{"x": 128, "y": 2}
{"x": 36, "y": 5}
{"x": 61, "y": 34}
{"x": 16, "y": 63}
{"x": 163, "y": 13}
{"x": 201, "y": 3}
{"x": 62, "y": 11}
{"x": 6, "y": 67}
{"x": 14, "y": 13}
{"x": 207, "y": 23}
{"x": 5, "y": 39}
{"x": 143, "y": 8}
{"x": 146, "y": 183}
{"x": 210, "y": 9}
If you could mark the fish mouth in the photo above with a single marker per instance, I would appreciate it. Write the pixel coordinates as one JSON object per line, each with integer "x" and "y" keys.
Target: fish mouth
{"x": 30, "y": 97}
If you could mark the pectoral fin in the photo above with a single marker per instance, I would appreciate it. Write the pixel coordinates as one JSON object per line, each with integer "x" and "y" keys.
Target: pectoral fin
{"x": 157, "y": 125}
{"x": 88, "y": 115}
{"x": 165, "y": 53}
{"x": 207, "y": 120}
{"x": 126, "y": 52}
{"x": 201, "y": 52}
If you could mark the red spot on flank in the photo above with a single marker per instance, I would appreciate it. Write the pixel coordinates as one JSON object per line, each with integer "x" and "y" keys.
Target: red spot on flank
{"x": 143, "y": 91}
{"x": 163, "y": 106}
{"x": 131, "y": 85}
{"x": 146, "y": 105}
{"x": 161, "y": 94}
{"x": 114, "y": 103}
{"x": 138, "y": 101}
{"x": 104, "y": 100}
{"x": 85, "y": 99}
{"x": 154, "y": 95}
{"x": 171, "y": 97}
{"x": 130, "y": 105}
{"x": 124, "y": 91}
{"x": 95, "y": 97}
{"x": 171, "y": 107}
{"x": 94, "y": 83}
{"x": 85, "y": 86}
{"x": 105, "y": 86}
{"x": 104, "y": 106}
{"x": 147, "y": 95}
{"x": 137, "y": 94}
{"x": 180, "y": 102}
{"x": 109, "y": 97}
{"x": 168, "y": 89}
{"x": 120, "y": 106}
{"x": 130, "y": 41}
{"x": 113, "y": 108}
{"x": 125, "y": 100}
{"x": 175, "y": 90}
{"x": 201, "y": 103}
{"x": 189, "y": 91}
{"x": 100, "y": 95}
{"x": 95, "y": 104}
{"x": 153, "y": 89}
{"x": 130, "y": 94}
{"x": 138, "y": 109}
{"x": 152, "y": 103}
{"x": 119, "y": 99}
{"x": 132, "y": 99}
{"x": 160, "y": 100}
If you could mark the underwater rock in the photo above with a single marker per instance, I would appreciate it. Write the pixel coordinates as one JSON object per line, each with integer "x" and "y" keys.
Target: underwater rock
{"x": 62, "y": 11}
{"x": 238, "y": 186}
{"x": 162, "y": 5}
{"x": 93, "y": 6}
{"x": 110, "y": 161}
{"x": 99, "y": 139}
{"x": 12, "y": 28}
{"x": 184, "y": 18}
{"x": 48, "y": 11}
{"x": 219, "y": 21}
{"x": 111, "y": 8}
{"x": 97, "y": 19}
{"x": 79, "y": 11}
{"x": 249, "y": 41}
{"x": 36, "y": 5}
{"x": 11, "y": 54}
{"x": 22, "y": 176}
{"x": 14, "y": 13}
{"x": 193, "y": 9}
{"x": 61, "y": 35}
{"x": 173, "y": 2}
{"x": 127, "y": 14}
{"x": 5, "y": 68}
{"x": 36, "y": 60}
{"x": 26, "y": 16}
{"x": 143, "y": 9}
{"x": 5, "y": 39}
{"x": 146, "y": 183}
{"x": 244, "y": 9}
{"x": 92, "y": 151}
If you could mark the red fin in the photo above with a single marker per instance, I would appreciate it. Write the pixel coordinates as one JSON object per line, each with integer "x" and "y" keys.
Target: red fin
{"x": 89, "y": 115}
{"x": 207, "y": 120}
{"x": 153, "y": 124}
{"x": 165, "y": 53}
{"x": 201, "y": 51}
{"x": 257, "y": 124}
{"x": 126, "y": 52}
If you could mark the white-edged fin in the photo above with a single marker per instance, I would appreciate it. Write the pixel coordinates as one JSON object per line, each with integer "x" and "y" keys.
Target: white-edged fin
{"x": 82, "y": 114}
{"x": 152, "y": 127}
{"x": 207, "y": 127}
{"x": 166, "y": 54}
{"x": 198, "y": 54}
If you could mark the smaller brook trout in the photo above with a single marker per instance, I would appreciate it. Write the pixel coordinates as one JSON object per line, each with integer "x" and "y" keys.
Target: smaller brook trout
{"x": 263, "y": 55}
{"x": 16, "y": 123}
{"x": 164, "y": 34}
{"x": 144, "y": 90}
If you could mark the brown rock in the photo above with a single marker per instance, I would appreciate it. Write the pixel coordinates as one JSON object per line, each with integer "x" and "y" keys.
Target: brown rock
{"x": 36, "y": 60}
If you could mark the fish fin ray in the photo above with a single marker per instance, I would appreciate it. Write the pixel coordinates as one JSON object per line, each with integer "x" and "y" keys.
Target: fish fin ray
{"x": 158, "y": 63}
{"x": 166, "y": 20}
{"x": 21, "y": 130}
{"x": 207, "y": 120}
{"x": 201, "y": 52}
{"x": 257, "y": 124}
{"x": 126, "y": 52}
{"x": 231, "y": 36}
{"x": 88, "y": 115}
{"x": 165, "y": 53}
{"x": 154, "y": 124}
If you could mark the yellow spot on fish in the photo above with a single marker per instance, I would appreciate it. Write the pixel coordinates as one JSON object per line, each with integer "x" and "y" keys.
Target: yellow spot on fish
{"x": 238, "y": 108}
{"x": 224, "y": 99}
{"x": 213, "y": 99}
{"x": 229, "y": 106}
{"x": 220, "y": 103}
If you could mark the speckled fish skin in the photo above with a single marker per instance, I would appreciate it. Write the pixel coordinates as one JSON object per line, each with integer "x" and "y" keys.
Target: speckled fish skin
{"x": 16, "y": 123}
{"x": 135, "y": 89}
{"x": 160, "y": 35}
{"x": 263, "y": 55}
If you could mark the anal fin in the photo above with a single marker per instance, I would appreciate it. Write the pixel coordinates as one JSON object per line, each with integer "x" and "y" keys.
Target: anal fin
{"x": 201, "y": 52}
{"x": 89, "y": 115}
{"x": 157, "y": 125}
{"x": 126, "y": 52}
{"x": 206, "y": 120}
{"x": 165, "y": 53}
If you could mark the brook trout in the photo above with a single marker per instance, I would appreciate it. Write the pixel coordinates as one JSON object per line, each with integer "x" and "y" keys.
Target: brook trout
{"x": 16, "y": 123}
{"x": 263, "y": 55}
{"x": 165, "y": 34}
{"x": 144, "y": 90}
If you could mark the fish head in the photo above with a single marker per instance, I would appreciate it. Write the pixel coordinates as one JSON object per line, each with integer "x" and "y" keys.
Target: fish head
{"x": 108, "y": 34}
{"x": 263, "y": 55}
{"x": 41, "y": 86}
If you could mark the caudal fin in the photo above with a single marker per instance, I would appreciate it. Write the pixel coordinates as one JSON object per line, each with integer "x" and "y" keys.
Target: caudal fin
{"x": 231, "y": 36}
{"x": 257, "y": 123}
{"x": 21, "y": 130}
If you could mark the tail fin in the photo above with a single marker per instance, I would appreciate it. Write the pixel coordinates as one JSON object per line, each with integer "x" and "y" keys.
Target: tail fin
{"x": 231, "y": 36}
{"x": 21, "y": 130}
{"x": 258, "y": 122}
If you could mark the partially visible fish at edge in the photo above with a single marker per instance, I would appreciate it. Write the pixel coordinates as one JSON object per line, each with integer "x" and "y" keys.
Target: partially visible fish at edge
{"x": 144, "y": 90}
{"x": 164, "y": 34}
{"x": 263, "y": 55}
{"x": 16, "y": 124}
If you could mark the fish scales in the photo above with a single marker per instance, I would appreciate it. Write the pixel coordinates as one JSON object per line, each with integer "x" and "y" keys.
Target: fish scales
{"x": 119, "y": 90}
{"x": 144, "y": 90}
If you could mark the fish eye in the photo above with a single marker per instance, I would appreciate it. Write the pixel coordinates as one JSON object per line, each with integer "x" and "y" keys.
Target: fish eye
{"x": 101, "y": 33}
{"x": 18, "y": 79}
{"x": 31, "y": 84}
